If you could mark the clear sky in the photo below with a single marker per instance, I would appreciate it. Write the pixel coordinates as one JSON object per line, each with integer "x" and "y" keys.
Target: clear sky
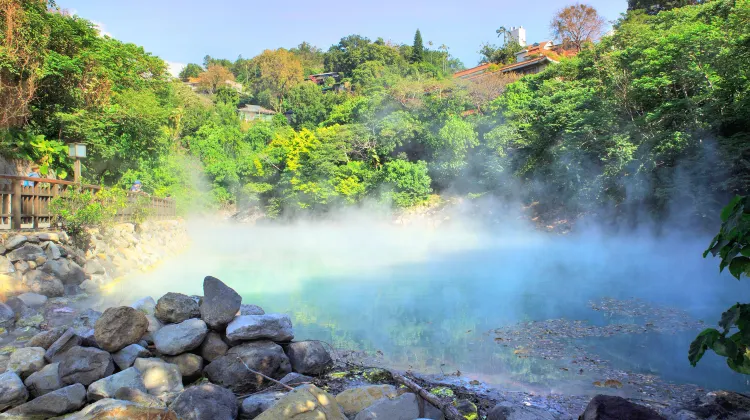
{"x": 185, "y": 31}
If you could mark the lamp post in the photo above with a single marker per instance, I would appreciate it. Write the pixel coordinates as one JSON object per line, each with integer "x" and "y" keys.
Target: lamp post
{"x": 77, "y": 151}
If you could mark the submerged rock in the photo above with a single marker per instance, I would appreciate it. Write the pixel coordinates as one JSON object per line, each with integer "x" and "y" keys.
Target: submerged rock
{"x": 206, "y": 401}
{"x": 276, "y": 327}
{"x": 220, "y": 303}
{"x": 609, "y": 407}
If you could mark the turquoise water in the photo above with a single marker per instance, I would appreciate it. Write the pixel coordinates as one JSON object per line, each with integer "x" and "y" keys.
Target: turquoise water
{"x": 430, "y": 299}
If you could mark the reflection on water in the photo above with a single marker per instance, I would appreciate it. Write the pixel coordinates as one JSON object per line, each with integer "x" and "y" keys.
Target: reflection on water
{"x": 431, "y": 300}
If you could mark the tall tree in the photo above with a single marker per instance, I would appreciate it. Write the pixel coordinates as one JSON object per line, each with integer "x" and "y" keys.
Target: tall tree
{"x": 576, "y": 25}
{"x": 280, "y": 70}
{"x": 214, "y": 78}
{"x": 190, "y": 71}
{"x": 417, "y": 53}
{"x": 653, "y": 7}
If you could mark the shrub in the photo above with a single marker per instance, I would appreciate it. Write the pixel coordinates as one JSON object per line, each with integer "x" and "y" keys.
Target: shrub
{"x": 78, "y": 209}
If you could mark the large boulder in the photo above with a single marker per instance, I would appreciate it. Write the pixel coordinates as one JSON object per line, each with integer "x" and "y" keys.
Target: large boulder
{"x": 57, "y": 403}
{"x": 309, "y": 357}
{"x": 354, "y": 400}
{"x": 15, "y": 242}
{"x": 126, "y": 357}
{"x": 12, "y": 391}
{"x": 206, "y": 401}
{"x": 255, "y": 404}
{"x": 26, "y": 361}
{"x": 119, "y": 327}
{"x": 176, "y": 307}
{"x": 404, "y": 407}
{"x": 179, "y": 338}
{"x": 220, "y": 303}
{"x": 213, "y": 347}
{"x": 66, "y": 270}
{"x": 231, "y": 370}
{"x": 50, "y": 237}
{"x": 191, "y": 366}
{"x": 7, "y": 316}
{"x": 32, "y": 300}
{"x": 28, "y": 252}
{"x": 42, "y": 283}
{"x": 44, "y": 381}
{"x": 110, "y": 409}
{"x": 308, "y": 402}
{"x": 85, "y": 365}
{"x": 67, "y": 341}
{"x": 47, "y": 338}
{"x": 106, "y": 387}
{"x": 159, "y": 377}
{"x": 610, "y": 407}
{"x": 276, "y": 327}
{"x": 721, "y": 405}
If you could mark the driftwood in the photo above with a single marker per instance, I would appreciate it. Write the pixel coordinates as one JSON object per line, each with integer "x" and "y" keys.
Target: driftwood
{"x": 448, "y": 409}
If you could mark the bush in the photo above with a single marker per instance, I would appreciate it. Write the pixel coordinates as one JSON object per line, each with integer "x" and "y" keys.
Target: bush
{"x": 407, "y": 184}
{"x": 79, "y": 209}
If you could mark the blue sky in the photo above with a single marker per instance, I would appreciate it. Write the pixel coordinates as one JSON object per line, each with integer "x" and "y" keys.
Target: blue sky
{"x": 185, "y": 31}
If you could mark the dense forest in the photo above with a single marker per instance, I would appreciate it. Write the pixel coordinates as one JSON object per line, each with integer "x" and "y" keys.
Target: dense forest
{"x": 652, "y": 116}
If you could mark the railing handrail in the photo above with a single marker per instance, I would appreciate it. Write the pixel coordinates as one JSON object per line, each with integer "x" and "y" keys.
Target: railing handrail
{"x": 47, "y": 181}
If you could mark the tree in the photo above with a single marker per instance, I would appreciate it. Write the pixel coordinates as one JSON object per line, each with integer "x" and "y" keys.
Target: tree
{"x": 655, "y": 6}
{"x": 417, "y": 53}
{"x": 279, "y": 71}
{"x": 190, "y": 71}
{"x": 577, "y": 25}
{"x": 214, "y": 78}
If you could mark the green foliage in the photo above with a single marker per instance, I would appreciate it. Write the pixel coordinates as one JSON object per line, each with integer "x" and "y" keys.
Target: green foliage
{"x": 190, "y": 71}
{"x": 407, "y": 183}
{"x": 77, "y": 209}
{"x": 48, "y": 154}
{"x": 417, "y": 50}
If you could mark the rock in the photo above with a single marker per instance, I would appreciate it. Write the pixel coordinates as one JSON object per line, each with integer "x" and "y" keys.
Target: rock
{"x": 26, "y": 361}
{"x": 206, "y": 401}
{"x": 191, "y": 366}
{"x": 32, "y": 300}
{"x": 254, "y": 405}
{"x": 15, "y": 242}
{"x": 126, "y": 357}
{"x": 404, "y": 407}
{"x": 12, "y": 391}
{"x": 109, "y": 409}
{"x": 93, "y": 267}
{"x": 508, "y": 411}
{"x": 276, "y": 327}
{"x": 309, "y": 357}
{"x": 44, "y": 381}
{"x": 106, "y": 387}
{"x": 85, "y": 365}
{"x": 251, "y": 310}
{"x": 49, "y": 236}
{"x": 46, "y": 338}
{"x": 53, "y": 252}
{"x": 119, "y": 327}
{"x": 27, "y": 252}
{"x": 53, "y": 404}
{"x": 66, "y": 270}
{"x": 22, "y": 267}
{"x": 354, "y": 400}
{"x": 44, "y": 284}
{"x": 87, "y": 337}
{"x": 30, "y": 318}
{"x": 86, "y": 320}
{"x": 466, "y": 408}
{"x": 307, "y": 402}
{"x": 265, "y": 357}
{"x": 294, "y": 379}
{"x": 609, "y": 407}
{"x": 176, "y": 307}
{"x": 722, "y": 405}
{"x": 7, "y": 316}
{"x": 139, "y": 397}
{"x": 89, "y": 286}
{"x": 146, "y": 305}
{"x": 66, "y": 342}
{"x": 179, "y": 338}
{"x": 213, "y": 347}
{"x": 220, "y": 303}
{"x": 159, "y": 377}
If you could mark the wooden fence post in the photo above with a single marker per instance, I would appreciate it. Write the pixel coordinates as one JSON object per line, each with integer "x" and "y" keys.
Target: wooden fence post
{"x": 15, "y": 205}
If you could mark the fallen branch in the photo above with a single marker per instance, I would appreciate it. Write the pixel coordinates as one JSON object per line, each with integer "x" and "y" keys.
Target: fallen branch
{"x": 448, "y": 409}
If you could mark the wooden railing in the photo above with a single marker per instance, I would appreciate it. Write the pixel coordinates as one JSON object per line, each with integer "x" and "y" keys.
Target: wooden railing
{"x": 24, "y": 202}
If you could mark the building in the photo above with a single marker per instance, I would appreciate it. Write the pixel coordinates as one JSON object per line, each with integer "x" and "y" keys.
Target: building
{"x": 321, "y": 78}
{"x": 518, "y": 35}
{"x": 255, "y": 112}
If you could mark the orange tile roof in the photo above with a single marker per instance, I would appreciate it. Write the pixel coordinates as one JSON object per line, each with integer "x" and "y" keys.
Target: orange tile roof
{"x": 472, "y": 70}
{"x": 192, "y": 80}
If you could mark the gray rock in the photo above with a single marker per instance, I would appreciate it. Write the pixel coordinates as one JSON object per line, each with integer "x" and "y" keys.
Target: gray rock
{"x": 213, "y": 347}
{"x": 26, "y": 361}
{"x": 309, "y": 357}
{"x": 46, "y": 338}
{"x": 43, "y": 283}
{"x": 176, "y": 307}
{"x": 139, "y": 397}
{"x": 106, "y": 387}
{"x": 63, "y": 401}
{"x": 191, "y": 366}
{"x": 179, "y": 338}
{"x": 66, "y": 270}
{"x": 206, "y": 401}
{"x": 66, "y": 342}
{"x": 89, "y": 286}
{"x": 7, "y": 316}
{"x": 159, "y": 377}
{"x": 251, "y": 310}
{"x": 220, "y": 303}
{"x": 30, "y": 318}
{"x": 253, "y": 405}
{"x": 119, "y": 327}
{"x": 15, "y": 242}
{"x": 12, "y": 391}
{"x": 404, "y": 407}
{"x": 146, "y": 305}
{"x": 86, "y": 320}
{"x": 508, "y": 411}
{"x": 154, "y": 325}
{"x": 85, "y": 365}
{"x": 22, "y": 267}
{"x": 608, "y": 407}
{"x": 295, "y": 379}
{"x": 110, "y": 409}
{"x": 265, "y": 357}
{"x": 52, "y": 251}
{"x": 276, "y": 327}
{"x": 49, "y": 236}
{"x": 27, "y": 252}
{"x": 88, "y": 338}
{"x": 93, "y": 267}
{"x": 6, "y": 267}
{"x": 126, "y": 357}
{"x": 44, "y": 381}
{"x": 32, "y": 300}
{"x": 722, "y": 405}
